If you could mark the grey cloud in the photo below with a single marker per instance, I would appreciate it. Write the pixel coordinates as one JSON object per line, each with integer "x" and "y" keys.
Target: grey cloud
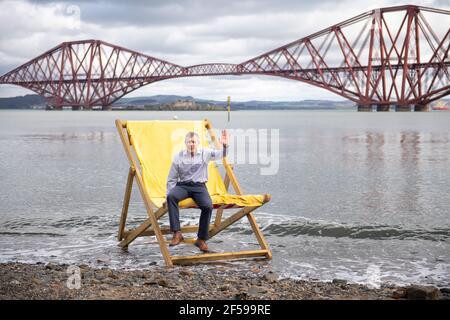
{"x": 183, "y": 32}
{"x": 189, "y": 12}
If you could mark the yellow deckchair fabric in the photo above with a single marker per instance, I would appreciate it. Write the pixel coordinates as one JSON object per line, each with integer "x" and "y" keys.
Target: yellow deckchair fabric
{"x": 157, "y": 141}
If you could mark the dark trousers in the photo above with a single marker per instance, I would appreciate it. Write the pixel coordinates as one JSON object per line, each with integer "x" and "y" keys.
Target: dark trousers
{"x": 198, "y": 192}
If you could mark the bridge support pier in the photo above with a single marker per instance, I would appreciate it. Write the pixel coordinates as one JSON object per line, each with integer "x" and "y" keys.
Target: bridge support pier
{"x": 402, "y": 108}
{"x": 50, "y": 107}
{"x": 393, "y": 108}
{"x": 373, "y": 108}
{"x": 364, "y": 108}
{"x": 383, "y": 108}
{"x": 421, "y": 108}
{"x": 107, "y": 108}
{"x": 74, "y": 108}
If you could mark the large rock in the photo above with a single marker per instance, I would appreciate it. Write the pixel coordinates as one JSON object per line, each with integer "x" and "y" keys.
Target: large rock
{"x": 256, "y": 290}
{"x": 422, "y": 293}
{"x": 52, "y": 266}
{"x": 187, "y": 272}
{"x": 445, "y": 293}
{"x": 164, "y": 282}
{"x": 271, "y": 277}
{"x": 445, "y": 290}
{"x": 399, "y": 294}
{"x": 339, "y": 281}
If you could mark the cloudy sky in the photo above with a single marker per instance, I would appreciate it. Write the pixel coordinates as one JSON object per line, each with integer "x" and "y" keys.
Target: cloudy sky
{"x": 183, "y": 32}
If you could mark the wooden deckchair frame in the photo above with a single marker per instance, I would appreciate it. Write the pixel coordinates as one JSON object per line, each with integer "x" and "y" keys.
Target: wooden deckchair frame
{"x": 150, "y": 226}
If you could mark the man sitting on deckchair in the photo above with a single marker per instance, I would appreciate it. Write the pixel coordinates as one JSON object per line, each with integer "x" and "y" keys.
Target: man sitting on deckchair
{"x": 187, "y": 179}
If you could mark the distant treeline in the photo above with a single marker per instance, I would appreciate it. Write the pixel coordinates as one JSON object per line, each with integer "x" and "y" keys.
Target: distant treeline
{"x": 173, "y": 102}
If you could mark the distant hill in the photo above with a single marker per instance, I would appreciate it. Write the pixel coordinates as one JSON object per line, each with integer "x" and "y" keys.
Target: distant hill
{"x": 28, "y": 101}
{"x": 180, "y": 105}
{"x": 146, "y": 102}
{"x": 152, "y": 100}
{"x": 174, "y": 102}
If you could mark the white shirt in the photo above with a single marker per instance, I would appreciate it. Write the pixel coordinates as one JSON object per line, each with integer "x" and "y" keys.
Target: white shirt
{"x": 191, "y": 168}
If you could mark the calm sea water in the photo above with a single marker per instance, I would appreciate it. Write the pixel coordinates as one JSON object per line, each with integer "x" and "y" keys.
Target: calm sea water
{"x": 357, "y": 196}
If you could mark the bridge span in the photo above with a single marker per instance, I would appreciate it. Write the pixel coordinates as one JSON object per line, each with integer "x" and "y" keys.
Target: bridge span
{"x": 395, "y": 57}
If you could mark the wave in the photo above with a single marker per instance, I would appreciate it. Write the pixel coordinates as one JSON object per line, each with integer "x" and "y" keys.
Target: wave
{"x": 272, "y": 225}
{"x": 12, "y": 233}
{"x": 283, "y": 226}
{"x": 356, "y": 232}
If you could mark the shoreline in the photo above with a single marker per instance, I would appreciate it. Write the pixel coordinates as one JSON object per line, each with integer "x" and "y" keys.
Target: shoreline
{"x": 50, "y": 281}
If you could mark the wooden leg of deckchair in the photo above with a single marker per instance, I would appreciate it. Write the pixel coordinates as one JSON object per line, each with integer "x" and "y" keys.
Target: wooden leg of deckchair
{"x": 238, "y": 215}
{"x": 135, "y": 233}
{"x": 161, "y": 211}
{"x": 259, "y": 235}
{"x": 230, "y": 220}
{"x": 130, "y": 236}
{"x": 152, "y": 216}
{"x": 166, "y": 230}
{"x": 151, "y": 221}
{"x": 126, "y": 202}
{"x": 154, "y": 222}
{"x": 219, "y": 213}
{"x": 238, "y": 190}
{"x": 227, "y": 166}
{"x": 218, "y": 256}
{"x": 161, "y": 240}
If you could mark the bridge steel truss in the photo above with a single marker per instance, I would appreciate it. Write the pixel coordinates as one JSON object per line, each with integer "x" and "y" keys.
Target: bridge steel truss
{"x": 383, "y": 57}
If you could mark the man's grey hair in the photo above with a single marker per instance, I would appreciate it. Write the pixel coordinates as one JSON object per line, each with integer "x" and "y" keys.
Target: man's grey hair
{"x": 190, "y": 135}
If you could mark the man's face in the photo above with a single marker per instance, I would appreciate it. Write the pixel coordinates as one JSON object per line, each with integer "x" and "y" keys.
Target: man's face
{"x": 191, "y": 144}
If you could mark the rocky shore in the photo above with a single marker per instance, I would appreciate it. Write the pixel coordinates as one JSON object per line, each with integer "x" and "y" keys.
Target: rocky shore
{"x": 50, "y": 281}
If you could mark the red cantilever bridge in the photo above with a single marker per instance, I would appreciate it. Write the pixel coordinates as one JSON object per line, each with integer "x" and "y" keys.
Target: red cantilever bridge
{"x": 389, "y": 56}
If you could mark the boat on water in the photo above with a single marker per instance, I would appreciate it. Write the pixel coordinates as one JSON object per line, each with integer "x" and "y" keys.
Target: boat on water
{"x": 441, "y": 105}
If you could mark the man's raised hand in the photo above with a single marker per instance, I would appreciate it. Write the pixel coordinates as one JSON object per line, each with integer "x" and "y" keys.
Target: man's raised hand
{"x": 224, "y": 138}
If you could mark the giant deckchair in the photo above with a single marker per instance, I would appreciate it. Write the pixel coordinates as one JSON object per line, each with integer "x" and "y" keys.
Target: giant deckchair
{"x": 150, "y": 146}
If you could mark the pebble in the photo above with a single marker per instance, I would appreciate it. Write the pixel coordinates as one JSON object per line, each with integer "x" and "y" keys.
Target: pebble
{"x": 399, "y": 294}
{"x": 416, "y": 292}
{"x": 187, "y": 272}
{"x": 225, "y": 287}
{"x": 36, "y": 281}
{"x": 50, "y": 266}
{"x": 162, "y": 282}
{"x": 256, "y": 290}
